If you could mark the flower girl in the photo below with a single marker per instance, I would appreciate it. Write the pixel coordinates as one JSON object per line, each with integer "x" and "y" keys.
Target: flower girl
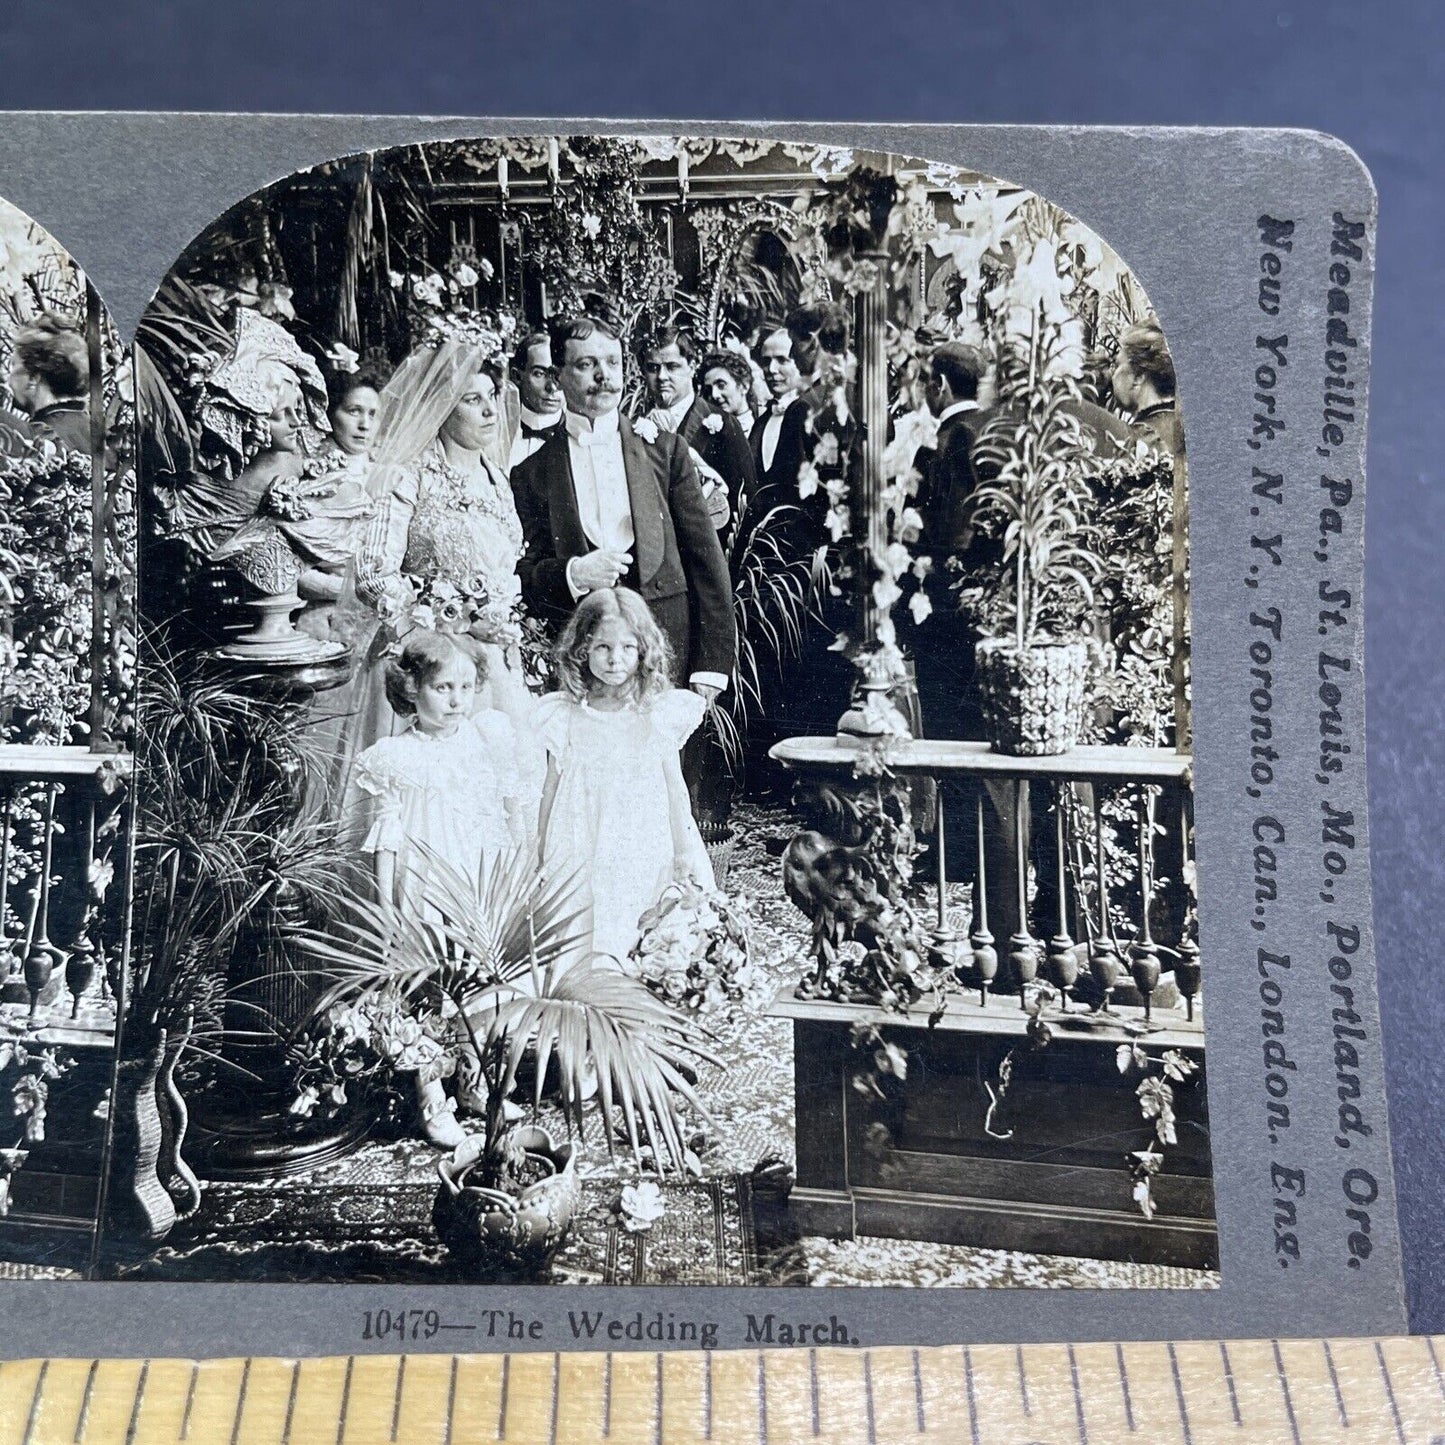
{"x": 615, "y": 809}
{"x": 446, "y": 785}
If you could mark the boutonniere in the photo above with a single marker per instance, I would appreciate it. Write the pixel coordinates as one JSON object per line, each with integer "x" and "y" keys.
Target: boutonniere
{"x": 713, "y": 422}
{"x": 646, "y": 429}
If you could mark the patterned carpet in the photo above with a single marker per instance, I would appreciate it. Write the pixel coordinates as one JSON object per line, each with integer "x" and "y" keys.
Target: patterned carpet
{"x": 367, "y": 1217}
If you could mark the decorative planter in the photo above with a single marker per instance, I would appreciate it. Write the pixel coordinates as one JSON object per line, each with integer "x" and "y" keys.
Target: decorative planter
{"x": 1033, "y": 701}
{"x": 501, "y": 1236}
{"x": 140, "y": 1212}
{"x": 921, "y": 1165}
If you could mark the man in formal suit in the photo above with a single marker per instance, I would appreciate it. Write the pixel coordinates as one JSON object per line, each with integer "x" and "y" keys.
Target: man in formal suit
{"x": 955, "y": 374}
{"x": 50, "y": 378}
{"x": 601, "y": 505}
{"x": 540, "y": 394}
{"x": 779, "y": 439}
{"x": 958, "y": 378}
{"x": 720, "y": 451}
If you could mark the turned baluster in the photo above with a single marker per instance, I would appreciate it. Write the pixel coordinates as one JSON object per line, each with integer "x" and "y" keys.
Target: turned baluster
{"x": 1188, "y": 973}
{"x": 985, "y": 955}
{"x": 80, "y": 966}
{"x": 42, "y": 954}
{"x": 942, "y": 931}
{"x": 11, "y": 958}
{"x": 1144, "y": 955}
{"x": 1103, "y": 949}
{"x": 1023, "y": 947}
{"x": 1062, "y": 961}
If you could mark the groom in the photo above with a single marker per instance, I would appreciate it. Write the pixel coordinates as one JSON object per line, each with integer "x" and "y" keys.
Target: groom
{"x": 603, "y": 505}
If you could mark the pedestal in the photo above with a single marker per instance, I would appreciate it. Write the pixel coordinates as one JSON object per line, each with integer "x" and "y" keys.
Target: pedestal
{"x": 1059, "y": 1185}
{"x": 242, "y": 1127}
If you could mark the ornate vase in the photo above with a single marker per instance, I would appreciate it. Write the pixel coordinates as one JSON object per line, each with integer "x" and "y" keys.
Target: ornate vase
{"x": 139, "y": 1210}
{"x": 1033, "y": 701}
{"x": 503, "y": 1236}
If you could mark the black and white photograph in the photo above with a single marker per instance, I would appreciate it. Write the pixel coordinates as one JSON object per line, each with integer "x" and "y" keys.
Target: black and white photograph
{"x": 662, "y": 737}
{"x": 67, "y": 695}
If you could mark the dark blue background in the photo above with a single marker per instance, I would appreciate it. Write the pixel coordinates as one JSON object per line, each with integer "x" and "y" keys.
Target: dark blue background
{"x": 1370, "y": 73}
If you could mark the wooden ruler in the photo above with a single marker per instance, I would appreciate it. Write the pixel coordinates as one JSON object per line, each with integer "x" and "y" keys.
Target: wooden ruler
{"x": 1252, "y": 1392}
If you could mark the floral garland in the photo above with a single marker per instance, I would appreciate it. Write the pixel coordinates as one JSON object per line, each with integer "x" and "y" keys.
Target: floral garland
{"x": 45, "y": 530}
{"x": 440, "y": 308}
{"x": 1155, "y": 1092}
{"x": 595, "y": 240}
{"x": 31, "y": 1073}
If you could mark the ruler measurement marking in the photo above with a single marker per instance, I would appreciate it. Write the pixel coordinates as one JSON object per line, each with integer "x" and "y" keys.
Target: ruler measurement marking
{"x": 813, "y": 1389}
{"x": 972, "y": 1403}
{"x": 1390, "y": 1393}
{"x": 33, "y": 1418}
{"x": 762, "y": 1399}
{"x": 241, "y": 1401}
{"x": 868, "y": 1396}
{"x": 84, "y": 1418}
{"x": 396, "y": 1398}
{"x": 1435, "y": 1361}
{"x": 1078, "y": 1397}
{"x": 607, "y": 1399}
{"x": 140, "y": 1388}
{"x": 98, "y": 1397}
{"x": 1335, "y": 1381}
{"x": 918, "y": 1394}
{"x": 290, "y": 1402}
{"x": 1229, "y": 1380}
{"x": 556, "y": 1389}
{"x": 706, "y": 1392}
{"x": 1179, "y": 1397}
{"x": 345, "y": 1399}
{"x": 1124, "y": 1387}
{"x": 451, "y": 1401}
{"x": 1284, "y": 1388}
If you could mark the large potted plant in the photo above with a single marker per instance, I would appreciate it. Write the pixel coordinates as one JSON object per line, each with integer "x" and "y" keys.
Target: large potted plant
{"x": 1032, "y": 514}
{"x": 500, "y": 950}
{"x": 223, "y": 864}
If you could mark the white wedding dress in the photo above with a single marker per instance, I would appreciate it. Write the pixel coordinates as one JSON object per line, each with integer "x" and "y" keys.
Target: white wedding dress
{"x": 435, "y": 522}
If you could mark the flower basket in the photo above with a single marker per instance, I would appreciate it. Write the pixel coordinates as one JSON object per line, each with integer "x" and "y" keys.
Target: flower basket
{"x": 1034, "y": 699}
{"x": 695, "y": 951}
{"x": 721, "y": 843}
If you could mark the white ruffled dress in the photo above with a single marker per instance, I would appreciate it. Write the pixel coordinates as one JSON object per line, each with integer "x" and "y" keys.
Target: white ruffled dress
{"x": 448, "y": 793}
{"x": 620, "y": 817}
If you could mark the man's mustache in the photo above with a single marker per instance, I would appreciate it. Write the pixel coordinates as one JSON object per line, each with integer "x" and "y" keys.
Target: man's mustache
{"x": 604, "y": 389}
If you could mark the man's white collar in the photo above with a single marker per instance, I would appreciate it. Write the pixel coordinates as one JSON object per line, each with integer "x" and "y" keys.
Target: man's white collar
{"x": 955, "y": 409}
{"x": 581, "y": 428}
{"x": 540, "y": 420}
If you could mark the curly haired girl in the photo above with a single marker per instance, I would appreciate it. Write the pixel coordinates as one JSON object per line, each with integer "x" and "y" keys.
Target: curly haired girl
{"x": 615, "y": 809}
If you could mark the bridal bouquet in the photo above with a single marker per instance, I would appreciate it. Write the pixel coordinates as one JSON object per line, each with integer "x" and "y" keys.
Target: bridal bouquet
{"x": 695, "y": 952}
{"x": 439, "y": 604}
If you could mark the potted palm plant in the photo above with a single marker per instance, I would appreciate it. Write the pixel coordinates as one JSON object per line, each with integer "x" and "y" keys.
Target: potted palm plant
{"x": 1033, "y": 508}
{"x": 224, "y": 865}
{"x": 501, "y": 950}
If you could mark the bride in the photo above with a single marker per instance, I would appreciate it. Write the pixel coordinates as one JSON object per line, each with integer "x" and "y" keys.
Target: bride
{"x": 443, "y": 515}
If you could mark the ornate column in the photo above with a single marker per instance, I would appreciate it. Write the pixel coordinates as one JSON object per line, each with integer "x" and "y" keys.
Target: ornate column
{"x": 870, "y": 525}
